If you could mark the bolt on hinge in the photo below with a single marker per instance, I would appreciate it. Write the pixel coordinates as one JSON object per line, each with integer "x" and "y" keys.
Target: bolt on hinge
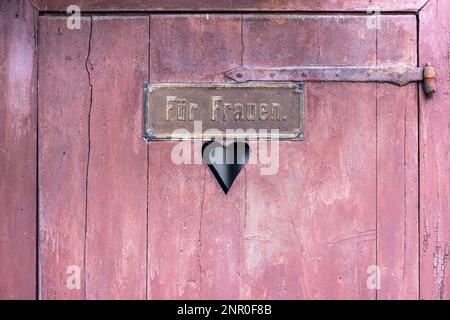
{"x": 429, "y": 80}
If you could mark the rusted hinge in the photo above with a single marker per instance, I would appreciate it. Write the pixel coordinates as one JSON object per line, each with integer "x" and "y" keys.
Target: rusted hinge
{"x": 429, "y": 80}
{"x": 396, "y": 74}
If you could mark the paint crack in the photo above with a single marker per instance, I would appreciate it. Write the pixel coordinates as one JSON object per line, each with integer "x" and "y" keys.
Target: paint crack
{"x": 88, "y": 157}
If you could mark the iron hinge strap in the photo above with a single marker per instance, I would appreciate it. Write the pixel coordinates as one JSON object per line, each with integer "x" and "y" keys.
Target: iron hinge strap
{"x": 395, "y": 74}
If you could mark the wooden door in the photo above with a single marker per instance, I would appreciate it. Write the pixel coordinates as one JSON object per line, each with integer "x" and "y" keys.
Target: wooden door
{"x": 140, "y": 226}
{"x": 339, "y": 220}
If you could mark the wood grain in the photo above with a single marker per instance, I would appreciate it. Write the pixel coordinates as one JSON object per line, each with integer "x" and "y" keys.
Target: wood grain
{"x": 194, "y": 48}
{"x": 312, "y": 233}
{"x": 394, "y": 43}
{"x": 93, "y": 188}
{"x": 397, "y": 165}
{"x": 18, "y": 121}
{"x": 309, "y": 231}
{"x": 221, "y": 238}
{"x": 397, "y": 192}
{"x": 345, "y": 199}
{"x": 116, "y": 239}
{"x": 434, "y": 158}
{"x": 193, "y": 226}
{"x": 274, "y": 41}
{"x": 175, "y": 202}
{"x": 231, "y": 5}
{"x": 64, "y": 102}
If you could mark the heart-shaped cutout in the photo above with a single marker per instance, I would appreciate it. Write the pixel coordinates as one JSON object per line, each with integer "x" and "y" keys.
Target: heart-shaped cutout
{"x": 226, "y": 163}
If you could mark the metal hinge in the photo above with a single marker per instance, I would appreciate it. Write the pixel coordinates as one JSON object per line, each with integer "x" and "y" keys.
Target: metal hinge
{"x": 396, "y": 74}
{"x": 429, "y": 80}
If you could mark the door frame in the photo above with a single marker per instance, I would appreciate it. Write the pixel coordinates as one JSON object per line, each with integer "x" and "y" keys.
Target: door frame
{"x": 19, "y": 245}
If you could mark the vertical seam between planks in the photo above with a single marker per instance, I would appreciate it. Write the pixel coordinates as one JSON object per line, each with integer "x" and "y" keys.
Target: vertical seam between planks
{"x": 148, "y": 172}
{"x": 88, "y": 159}
{"x": 245, "y": 211}
{"x": 147, "y": 233}
{"x": 245, "y": 176}
{"x": 38, "y": 262}
{"x": 241, "y": 232}
{"x": 419, "y": 226}
{"x": 376, "y": 188}
{"x": 405, "y": 193}
{"x": 418, "y": 162}
{"x": 376, "y": 169}
{"x": 242, "y": 40}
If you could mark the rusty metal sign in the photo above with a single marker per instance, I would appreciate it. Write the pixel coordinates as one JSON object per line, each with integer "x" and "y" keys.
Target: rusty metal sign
{"x": 232, "y": 111}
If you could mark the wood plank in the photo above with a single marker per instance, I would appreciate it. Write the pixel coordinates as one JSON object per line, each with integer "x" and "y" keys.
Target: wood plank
{"x": 397, "y": 165}
{"x": 231, "y": 5}
{"x": 221, "y": 238}
{"x": 116, "y": 240}
{"x": 309, "y": 231}
{"x": 175, "y": 202}
{"x": 194, "y": 240}
{"x": 434, "y": 160}
{"x": 193, "y": 48}
{"x": 274, "y": 41}
{"x": 399, "y": 260}
{"x": 397, "y": 192}
{"x": 193, "y": 226}
{"x": 18, "y": 165}
{"x": 258, "y": 242}
{"x": 397, "y": 40}
{"x": 64, "y": 100}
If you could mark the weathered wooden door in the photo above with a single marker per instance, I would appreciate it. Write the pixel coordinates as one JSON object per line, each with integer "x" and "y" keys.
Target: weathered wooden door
{"x": 141, "y": 226}
{"x": 340, "y": 218}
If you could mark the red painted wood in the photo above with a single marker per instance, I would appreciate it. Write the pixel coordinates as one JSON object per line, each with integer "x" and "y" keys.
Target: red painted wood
{"x": 193, "y": 227}
{"x": 116, "y": 239}
{"x": 395, "y": 42}
{"x": 194, "y": 243}
{"x": 320, "y": 241}
{"x": 221, "y": 238}
{"x": 175, "y": 202}
{"x": 231, "y": 5}
{"x": 275, "y": 41}
{"x": 194, "y": 48}
{"x": 280, "y": 212}
{"x": 18, "y": 110}
{"x": 311, "y": 231}
{"x": 434, "y": 160}
{"x": 64, "y": 101}
{"x": 397, "y": 165}
{"x": 95, "y": 143}
{"x": 397, "y": 192}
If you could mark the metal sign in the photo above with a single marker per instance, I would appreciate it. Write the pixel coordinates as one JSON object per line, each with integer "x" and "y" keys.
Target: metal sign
{"x": 232, "y": 111}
